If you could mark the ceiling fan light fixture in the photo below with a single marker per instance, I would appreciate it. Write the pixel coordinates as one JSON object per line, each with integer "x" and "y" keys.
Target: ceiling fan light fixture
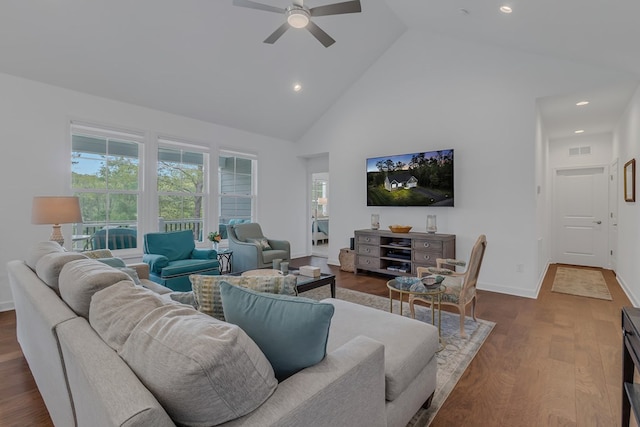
{"x": 297, "y": 17}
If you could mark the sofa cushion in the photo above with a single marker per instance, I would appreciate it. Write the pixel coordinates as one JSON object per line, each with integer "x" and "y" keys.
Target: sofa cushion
{"x": 409, "y": 344}
{"x": 82, "y": 278}
{"x": 50, "y": 266}
{"x": 204, "y": 372}
{"x": 291, "y": 331}
{"x": 39, "y": 250}
{"x": 116, "y": 310}
{"x": 118, "y": 264}
{"x": 206, "y": 289}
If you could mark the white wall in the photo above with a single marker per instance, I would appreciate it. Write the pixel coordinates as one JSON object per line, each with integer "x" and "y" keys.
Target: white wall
{"x": 429, "y": 92}
{"x": 601, "y": 150}
{"x": 34, "y": 132}
{"x": 626, "y": 146}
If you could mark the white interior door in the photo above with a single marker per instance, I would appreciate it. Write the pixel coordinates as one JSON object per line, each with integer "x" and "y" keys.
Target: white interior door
{"x": 581, "y": 226}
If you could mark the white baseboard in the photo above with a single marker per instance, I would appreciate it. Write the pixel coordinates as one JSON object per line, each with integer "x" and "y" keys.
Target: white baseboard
{"x": 627, "y": 290}
{"x": 6, "y": 306}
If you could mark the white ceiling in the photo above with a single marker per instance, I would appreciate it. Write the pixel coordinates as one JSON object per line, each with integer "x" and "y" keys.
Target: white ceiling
{"x": 205, "y": 58}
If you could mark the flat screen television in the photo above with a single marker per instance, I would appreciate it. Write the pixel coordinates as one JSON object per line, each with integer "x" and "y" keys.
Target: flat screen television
{"x": 415, "y": 179}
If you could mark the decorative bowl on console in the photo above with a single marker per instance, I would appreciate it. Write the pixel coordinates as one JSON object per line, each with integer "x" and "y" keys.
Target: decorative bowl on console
{"x": 400, "y": 228}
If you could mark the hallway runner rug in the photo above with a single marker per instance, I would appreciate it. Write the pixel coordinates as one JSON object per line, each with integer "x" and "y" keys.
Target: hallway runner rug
{"x": 581, "y": 282}
{"x": 452, "y": 360}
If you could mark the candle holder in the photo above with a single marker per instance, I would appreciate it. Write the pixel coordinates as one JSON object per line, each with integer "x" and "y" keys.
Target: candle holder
{"x": 431, "y": 224}
{"x": 375, "y": 221}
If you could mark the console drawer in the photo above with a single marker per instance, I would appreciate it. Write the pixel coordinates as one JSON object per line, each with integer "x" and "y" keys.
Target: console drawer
{"x": 369, "y": 250}
{"x": 367, "y": 262}
{"x": 427, "y": 245}
{"x": 368, "y": 239}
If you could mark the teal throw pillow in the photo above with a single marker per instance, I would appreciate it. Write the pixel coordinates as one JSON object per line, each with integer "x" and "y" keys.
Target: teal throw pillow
{"x": 119, "y": 264}
{"x": 292, "y": 332}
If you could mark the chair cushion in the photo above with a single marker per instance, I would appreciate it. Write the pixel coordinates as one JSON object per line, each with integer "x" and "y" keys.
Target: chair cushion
{"x": 409, "y": 344}
{"x": 50, "y": 265}
{"x": 206, "y": 289}
{"x": 269, "y": 256}
{"x": 39, "y": 250}
{"x": 291, "y": 331}
{"x": 202, "y": 371}
{"x": 174, "y": 245}
{"x": 189, "y": 266}
{"x": 82, "y": 278}
{"x": 250, "y": 230}
{"x": 262, "y": 242}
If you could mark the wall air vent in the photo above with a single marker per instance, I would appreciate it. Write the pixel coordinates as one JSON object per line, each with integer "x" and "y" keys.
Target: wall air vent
{"x": 579, "y": 151}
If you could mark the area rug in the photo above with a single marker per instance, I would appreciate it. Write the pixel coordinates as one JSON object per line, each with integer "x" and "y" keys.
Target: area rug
{"x": 581, "y": 282}
{"x": 453, "y": 359}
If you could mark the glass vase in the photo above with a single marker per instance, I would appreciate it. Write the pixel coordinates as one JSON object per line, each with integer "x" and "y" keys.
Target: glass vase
{"x": 431, "y": 224}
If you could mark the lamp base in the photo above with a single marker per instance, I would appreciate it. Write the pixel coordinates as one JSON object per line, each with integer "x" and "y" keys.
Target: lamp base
{"x": 56, "y": 235}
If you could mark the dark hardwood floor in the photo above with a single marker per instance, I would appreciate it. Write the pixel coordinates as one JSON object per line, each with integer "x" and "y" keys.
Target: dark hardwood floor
{"x": 553, "y": 361}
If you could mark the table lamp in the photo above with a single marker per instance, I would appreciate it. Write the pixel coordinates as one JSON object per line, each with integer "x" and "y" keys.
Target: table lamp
{"x": 56, "y": 210}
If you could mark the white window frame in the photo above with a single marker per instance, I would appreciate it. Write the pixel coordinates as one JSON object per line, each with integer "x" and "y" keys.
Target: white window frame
{"x": 177, "y": 144}
{"x": 253, "y": 196}
{"x": 108, "y": 132}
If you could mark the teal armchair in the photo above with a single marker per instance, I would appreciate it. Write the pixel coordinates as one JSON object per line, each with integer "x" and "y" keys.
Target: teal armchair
{"x": 173, "y": 257}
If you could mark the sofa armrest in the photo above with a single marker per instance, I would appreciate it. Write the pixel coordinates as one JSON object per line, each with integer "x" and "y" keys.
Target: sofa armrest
{"x": 199, "y": 253}
{"x": 141, "y": 268}
{"x": 156, "y": 262}
{"x": 282, "y": 245}
{"x": 346, "y": 388}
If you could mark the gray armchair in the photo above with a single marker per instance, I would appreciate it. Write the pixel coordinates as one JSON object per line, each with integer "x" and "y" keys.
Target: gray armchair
{"x": 251, "y": 249}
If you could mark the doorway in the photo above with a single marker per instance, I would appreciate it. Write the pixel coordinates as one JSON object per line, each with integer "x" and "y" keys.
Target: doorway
{"x": 580, "y": 216}
{"x": 320, "y": 214}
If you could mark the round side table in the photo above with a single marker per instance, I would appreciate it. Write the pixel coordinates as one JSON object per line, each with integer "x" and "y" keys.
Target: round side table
{"x": 434, "y": 294}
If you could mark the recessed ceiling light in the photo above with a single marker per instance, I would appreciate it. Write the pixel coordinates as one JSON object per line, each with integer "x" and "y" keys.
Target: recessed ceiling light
{"x": 297, "y": 87}
{"x": 581, "y": 103}
{"x": 579, "y": 131}
{"x": 505, "y": 9}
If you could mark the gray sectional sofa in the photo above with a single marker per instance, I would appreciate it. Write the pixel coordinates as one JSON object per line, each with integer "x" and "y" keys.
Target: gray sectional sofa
{"x": 75, "y": 318}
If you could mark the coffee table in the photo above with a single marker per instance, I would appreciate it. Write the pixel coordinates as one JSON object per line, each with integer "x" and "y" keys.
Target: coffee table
{"x": 433, "y": 293}
{"x": 305, "y": 283}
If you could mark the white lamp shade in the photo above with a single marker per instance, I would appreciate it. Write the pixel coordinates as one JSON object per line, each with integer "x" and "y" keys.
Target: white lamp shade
{"x": 55, "y": 210}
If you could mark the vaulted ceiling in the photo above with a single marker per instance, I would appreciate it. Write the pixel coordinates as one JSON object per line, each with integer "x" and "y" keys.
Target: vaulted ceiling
{"x": 205, "y": 58}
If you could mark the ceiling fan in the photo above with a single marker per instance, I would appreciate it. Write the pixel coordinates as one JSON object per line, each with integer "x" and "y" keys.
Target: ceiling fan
{"x": 299, "y": 16}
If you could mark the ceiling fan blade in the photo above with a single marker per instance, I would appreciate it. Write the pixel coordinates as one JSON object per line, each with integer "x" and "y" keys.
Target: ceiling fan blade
{"x": 277, "y": 33}
{"x": 336, "y": 8}
{"x": 253, "y": 5}
{"x": 318, "y": 33}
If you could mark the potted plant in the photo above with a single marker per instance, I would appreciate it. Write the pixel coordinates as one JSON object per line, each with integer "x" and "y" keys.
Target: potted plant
{"x": 215, "y": 238}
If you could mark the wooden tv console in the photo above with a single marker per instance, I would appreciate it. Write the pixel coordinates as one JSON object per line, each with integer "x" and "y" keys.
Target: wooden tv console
{"x": 399, "y": 254}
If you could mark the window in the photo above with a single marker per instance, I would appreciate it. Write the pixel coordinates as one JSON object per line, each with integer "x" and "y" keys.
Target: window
{"x": 237, "y": 189}
{"x": 105, "y": 175}
{"x": 182, "y": 188}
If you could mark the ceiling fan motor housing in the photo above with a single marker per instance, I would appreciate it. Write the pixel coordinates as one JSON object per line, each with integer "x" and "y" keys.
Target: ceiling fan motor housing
{"x": 297, "y": 16}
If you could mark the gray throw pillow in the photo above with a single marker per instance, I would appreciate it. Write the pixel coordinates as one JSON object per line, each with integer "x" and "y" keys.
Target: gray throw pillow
{"x": 203, "y": 372}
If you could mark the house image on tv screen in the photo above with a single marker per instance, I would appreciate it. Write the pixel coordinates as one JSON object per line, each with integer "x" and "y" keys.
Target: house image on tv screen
{"x": 397, "y": 180}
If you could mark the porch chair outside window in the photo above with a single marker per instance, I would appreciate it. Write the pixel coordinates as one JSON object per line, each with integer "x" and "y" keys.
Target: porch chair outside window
{"x": 114, "y": 238}
{"x": 251, "y": 249}
{"x": 173, "y": 257}
{"x": 461, "y": 287}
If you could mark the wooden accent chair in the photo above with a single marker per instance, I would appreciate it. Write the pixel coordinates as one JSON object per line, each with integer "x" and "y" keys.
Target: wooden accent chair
{"x": 461, "y": 287}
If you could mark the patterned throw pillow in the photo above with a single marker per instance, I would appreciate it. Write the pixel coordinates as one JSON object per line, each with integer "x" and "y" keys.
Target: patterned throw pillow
{"x": 206, "y": 289}
{"x": 262, "y": 242}
{"x": 98, "y": 253}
